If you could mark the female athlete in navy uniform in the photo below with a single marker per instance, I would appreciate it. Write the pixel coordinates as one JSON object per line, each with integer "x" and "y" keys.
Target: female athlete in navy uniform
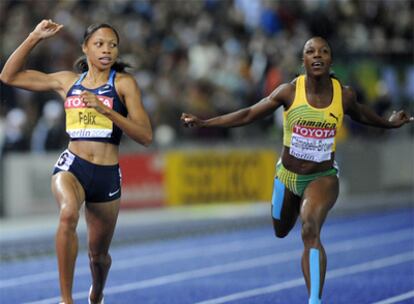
{"x": 100, "y": 103}
{"x": 306, "y": 182}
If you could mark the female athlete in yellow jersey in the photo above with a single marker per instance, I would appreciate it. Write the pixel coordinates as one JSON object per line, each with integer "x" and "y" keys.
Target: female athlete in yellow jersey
{"x": 306, "y": 182}
{"x": 100, "y": 104}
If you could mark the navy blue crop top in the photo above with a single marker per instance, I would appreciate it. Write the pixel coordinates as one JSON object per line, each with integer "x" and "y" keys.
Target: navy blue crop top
{"x": 84, "y": 123}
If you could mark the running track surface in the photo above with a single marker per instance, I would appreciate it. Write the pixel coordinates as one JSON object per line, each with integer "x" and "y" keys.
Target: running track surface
{"x": 370, "y": 260}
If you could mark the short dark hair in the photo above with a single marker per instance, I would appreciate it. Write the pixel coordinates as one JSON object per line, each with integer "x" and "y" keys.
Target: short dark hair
{"x": 96, "y": 26}
{"x": 81, "y": 64}
{"x": 318, "y": 37}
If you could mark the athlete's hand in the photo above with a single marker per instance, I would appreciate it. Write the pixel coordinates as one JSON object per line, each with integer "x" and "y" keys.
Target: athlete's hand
{"x": 91, "y": 101}
{"x": 191, "y": 121}
{"x": 398, "y": 119}
{"x": 46, "y": 29}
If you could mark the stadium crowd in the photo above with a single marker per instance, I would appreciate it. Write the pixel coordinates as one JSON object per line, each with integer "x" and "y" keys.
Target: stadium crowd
{"x": 209, "y": 57}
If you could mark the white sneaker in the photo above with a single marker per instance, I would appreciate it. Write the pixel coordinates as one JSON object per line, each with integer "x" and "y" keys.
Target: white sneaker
{"x": 89, "y": 298}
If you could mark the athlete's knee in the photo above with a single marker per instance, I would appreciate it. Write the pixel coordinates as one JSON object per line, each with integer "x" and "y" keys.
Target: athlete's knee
{"x": 68, "y": 217}
{"x": 281, "y": 231}
{"x": 310, "y": 233}
{"x": 100, "y": 259}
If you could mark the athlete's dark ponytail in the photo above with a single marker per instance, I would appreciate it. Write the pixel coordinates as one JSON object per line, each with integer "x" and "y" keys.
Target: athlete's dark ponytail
{"x": 81, "y": 64}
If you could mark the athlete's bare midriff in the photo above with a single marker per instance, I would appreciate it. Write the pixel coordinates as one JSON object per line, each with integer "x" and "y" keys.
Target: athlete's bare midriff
{"x": 300, "y": 166}
{"x": 98, "y": 153}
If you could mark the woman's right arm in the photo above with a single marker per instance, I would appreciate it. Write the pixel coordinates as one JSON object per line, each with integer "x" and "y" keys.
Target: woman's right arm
{"x": 264, "y": 107}
{"x": 13, "y": 72}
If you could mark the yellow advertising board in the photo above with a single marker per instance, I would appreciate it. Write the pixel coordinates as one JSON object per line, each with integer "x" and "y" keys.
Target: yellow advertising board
{"x": 203, "y": 176}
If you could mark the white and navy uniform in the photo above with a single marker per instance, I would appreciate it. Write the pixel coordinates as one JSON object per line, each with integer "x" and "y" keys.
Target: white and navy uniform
{"x": 83, "y": 123}
{"x": 101, "y": 183}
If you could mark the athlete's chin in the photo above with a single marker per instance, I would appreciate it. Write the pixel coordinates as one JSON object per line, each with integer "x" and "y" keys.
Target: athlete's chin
{"x": 318, "y": 73}
{"x": 104, "y": 67}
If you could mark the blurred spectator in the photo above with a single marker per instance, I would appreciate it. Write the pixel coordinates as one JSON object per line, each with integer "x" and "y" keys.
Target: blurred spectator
{"x": 49, "y": 133}
{"x": 16, "y": 137}
{"x": 409, "y": 84}
{"x": 203, "y": 56}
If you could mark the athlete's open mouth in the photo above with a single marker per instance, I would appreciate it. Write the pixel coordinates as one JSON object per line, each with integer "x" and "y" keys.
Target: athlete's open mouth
{"x": 318, "y": 64}
{"x": 105, "y": 60}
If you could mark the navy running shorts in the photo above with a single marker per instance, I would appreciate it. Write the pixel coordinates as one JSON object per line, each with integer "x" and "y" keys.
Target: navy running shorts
{"x": 101, "y": 183}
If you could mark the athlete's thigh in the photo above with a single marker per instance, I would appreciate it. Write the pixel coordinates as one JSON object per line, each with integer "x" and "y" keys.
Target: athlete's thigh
{"x": 67, "y": 190}
{"x": 319, "y": 197}
{"x": 101, "y": 220}
{"x": 285, "y": 208}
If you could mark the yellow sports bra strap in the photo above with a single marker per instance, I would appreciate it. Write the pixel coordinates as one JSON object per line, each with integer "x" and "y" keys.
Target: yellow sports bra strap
{"x": 337, "y": 91}
{"x": 300, "y": 89}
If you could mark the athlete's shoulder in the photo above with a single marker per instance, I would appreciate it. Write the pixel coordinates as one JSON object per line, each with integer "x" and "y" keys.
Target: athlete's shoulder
{"x": 123, "y": 74}
{"x": 287, "y": 86}
{"x": 349, "y": 97}
{"x": 284, "y": 94}
{"x": 124, "y": 77}
{"x": 125, "y": 82}
{"x": 348, "y": 93}
{"x": 291, "y": 86}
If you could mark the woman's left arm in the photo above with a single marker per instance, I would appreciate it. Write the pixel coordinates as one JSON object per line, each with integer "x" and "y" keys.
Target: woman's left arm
{"x": 365, "y": 115}
{"x": 137, "y": 125}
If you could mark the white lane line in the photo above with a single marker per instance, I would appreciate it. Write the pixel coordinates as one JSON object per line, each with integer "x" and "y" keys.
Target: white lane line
{"x": 365, "y": 242}
{"x": 358, "y": 268}
{"x": 397, "y": 298}
{"x": 233, "y": 246}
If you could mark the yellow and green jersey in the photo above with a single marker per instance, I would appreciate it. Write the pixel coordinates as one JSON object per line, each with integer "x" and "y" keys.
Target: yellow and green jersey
{"x": 310, "y": 132}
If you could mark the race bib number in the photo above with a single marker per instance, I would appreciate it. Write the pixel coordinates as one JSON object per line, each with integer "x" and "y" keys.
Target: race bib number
{"x": 65, "y": 160}
{"x": 312, "y": 144}
{"x": 84, "y": 122}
